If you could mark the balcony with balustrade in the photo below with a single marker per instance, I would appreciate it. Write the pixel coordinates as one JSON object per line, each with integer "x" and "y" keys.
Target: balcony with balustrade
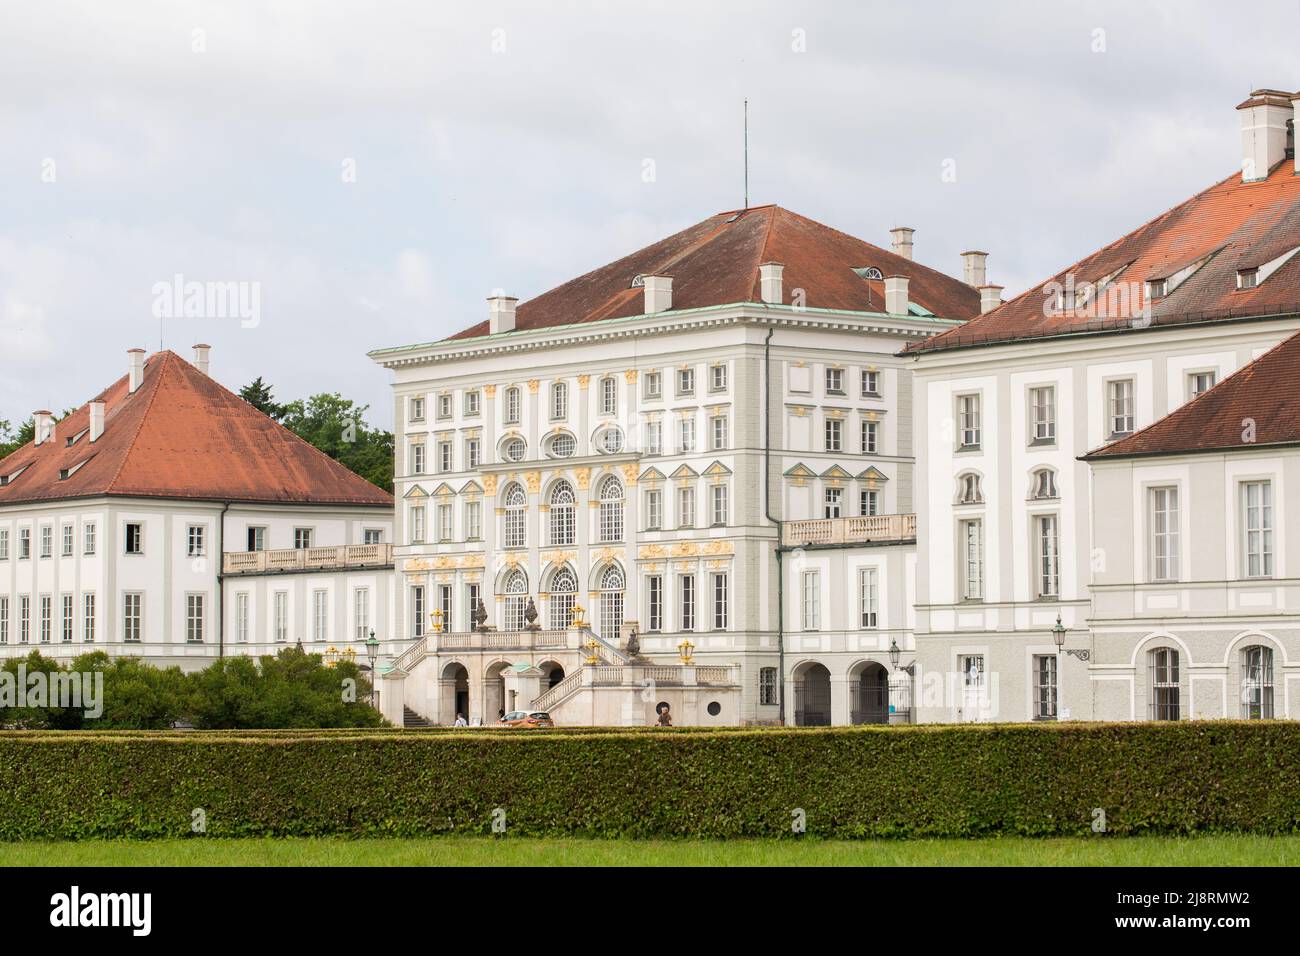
{"x": 344, "y": 557}
{"x": 860, "y": 529}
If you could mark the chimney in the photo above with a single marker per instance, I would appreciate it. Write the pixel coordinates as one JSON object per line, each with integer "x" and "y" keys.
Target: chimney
{"x": 658, "y": 294}
{"x": 896, "y": 295}
{"x": 990, "y": 297}
{"x": 769, "y": 281}
{"x": 96, "y": 420}
{"x": 501, "y": 313}
{"x": 1290, "y": 140}
{"x": 974, "y": 268}
{"x": 201, "y": 353}
{"x": 902, "y": 237}
{"x": 1264, "y": 118}
{"x": 43, "y": 426}
{"x": 136, "y": 357}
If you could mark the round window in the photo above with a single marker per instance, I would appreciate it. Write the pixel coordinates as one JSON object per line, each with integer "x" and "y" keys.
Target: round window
{"x": 563, "y": 446}
{"x": 714, "y": 708}
{"x": 612, "y": 440}
{"x": 515, "y": 449}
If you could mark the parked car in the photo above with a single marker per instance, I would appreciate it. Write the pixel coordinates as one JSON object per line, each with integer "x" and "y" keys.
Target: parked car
{"x": 524, "y": 718}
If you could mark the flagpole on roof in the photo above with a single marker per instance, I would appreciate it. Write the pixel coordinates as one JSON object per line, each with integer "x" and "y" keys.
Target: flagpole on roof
{"x": 747, "y": 152}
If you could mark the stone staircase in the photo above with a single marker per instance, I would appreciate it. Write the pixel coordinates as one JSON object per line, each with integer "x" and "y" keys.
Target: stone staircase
{"x": 412, "y": 720}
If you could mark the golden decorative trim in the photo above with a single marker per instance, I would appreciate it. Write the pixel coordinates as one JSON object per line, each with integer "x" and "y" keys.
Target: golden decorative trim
{"x": 490, "y": 391}
{"x": 584, "y": 381}
{"x": 630, "y": 376}
{"x": 533, "y": 385}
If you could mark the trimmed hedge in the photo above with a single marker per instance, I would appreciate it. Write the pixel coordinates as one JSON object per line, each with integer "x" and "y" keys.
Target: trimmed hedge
{"x": 935, "y": 781}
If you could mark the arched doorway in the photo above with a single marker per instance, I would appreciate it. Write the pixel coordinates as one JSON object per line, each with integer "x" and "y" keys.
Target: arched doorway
{"x": 494, "y": 692}
{"x": 869, "y": 695}
{"x": 554, "y": 674}
{"x": 454, "y": 685}
{"x": 812, "y": 696}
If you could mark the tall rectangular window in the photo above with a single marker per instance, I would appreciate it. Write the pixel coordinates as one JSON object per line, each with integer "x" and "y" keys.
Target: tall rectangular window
{"x": 832, "y": 502}
{"x": 241, "y": 617}
{"x": 869, "y": 503}
{"x": 4, "y": 619}
{"x": 835, "y": 381}
{"x": 655, "y": 602}
{"x": 718, "y": 425}
{"x": 417, "y": 524}
{"x": 445, "y": 523}
{"x": 1164, "y": 534}
{"x": 654, "y": 385}
{"x": 1042, "y": 408}
{"x": 281, "y": 611}
{"x": 834, "y": 434}
{"x": 512, "y": 405}
{"x": 24, "y": 619}
{"x": 608, "y": 396}
{"x": 1257, "y": 528}
{"x": 870, "y": 437}
{"x": 1119, "y": 400}
{"x": 812, "y": 601}
{"x": 720, "y": 601}
{"x": 686, "y": 381}
{"x": 361, "y": 614}
{"x": 66, "y": 617}
{"x": 88, "y": 617}
{"x": 444, "y": 605}
{"x": 256, "y": 538}
{"x": 445, "y": 462}
{"x": 559, "y": 400}
{"x": 686, "y": 507}
{"x": 1165, "y": 704}
{"x": 473, "y": 399}
{"x": 686, "y": 434}
{"x": 88, "y": 537}
{"x": 417, "y": 458}
{"x": 4, "y": 544}
{"x": 194, "y": 618}
{"x": 969, "y": 421}
{"x": 654, "y": 509}
{"x": 473, "y": 520}
{"x": 718, "y": 504}
{"x": 654, "y": 438}
{"x": 767, "y": 686}
{"x": 24, "y": 543}
{"x": 67, "y": 542}
{"x": 320, "y": 614}
{"x": 47, "y": 612}
{"x": 870, "y": 383}
{"x": 972, "y": 542}
{"x": 47, "y": 541}
{"x": 132, "y": 616}
{"x": 1048, "y": 556}
{"x": 417, "y": 611}
{"x": 717, "y": 378}
{"x": 686, "y": 585}
{"x": 868, "y": 598}
{"x": 194, "y": 541}
{"x": 473, "y": 453}
{"x": 417, "y": 409}
{"x": 444, "y": 406}
{"x": 1044, "y": 686}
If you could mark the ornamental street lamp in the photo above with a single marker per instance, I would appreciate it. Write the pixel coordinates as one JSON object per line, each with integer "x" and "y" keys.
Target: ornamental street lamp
{"x": 1058, "y": 635}
{"x": 895, "y": 653}
{"x": 372, "y": 654}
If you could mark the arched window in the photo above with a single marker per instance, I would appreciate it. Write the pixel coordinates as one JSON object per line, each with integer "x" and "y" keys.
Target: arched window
{"x": 1257, "y": 682}
{"x": 562, "y": 514}
{"x": 516, "y": 601}
{"x": 512, "y": 405}
{"x": 611, "y": 602}
{"x": 1043, "y": 484}
{"x": 516, "y": 504}
{"x": 1164, "y": 684}
{"x": 564, "y": 589}
{"x": 560, "y": 400}
{"x": 968, "y": 489}
{"x": 611, "y": 509}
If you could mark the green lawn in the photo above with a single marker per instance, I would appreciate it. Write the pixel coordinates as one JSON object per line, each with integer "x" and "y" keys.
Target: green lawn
{"x": 484, "y": 851}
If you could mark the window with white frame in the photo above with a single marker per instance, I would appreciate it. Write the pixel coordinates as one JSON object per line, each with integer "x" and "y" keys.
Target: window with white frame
{"x": 194, "y": 618}
{"x": 1044, "y": 666}
{"x": 1119, "y": 403}
{"x": 654, "y": 438}
{"x": 1257, "y": 682}
{"x": 473, "y": 453}
{"x": 686, "y": 507}
{"x": 718, "y": 378}
{"x": 832, "y": 502}
{"x": 24, "y": 619}
{"x": 320, "y": 614}
{"x": 654, "y": 509}
{"x": 564, "y": 594}
{"x": 511, "y": 409}
{"x": 88, "y": 617}
{"x": 4, "y": 544}
{"x": 444, "y": 610}
{"x": 767, "y": 686}
{"x": 969, "y": 421}
{"x": 561, "y": 517}
{"x": 25, "y": 543}
{"x": 611, "y": 602}
{"x": 372, "y": 536}
{"x": 303, "y": 538}
{"x": 563, "y": 446}
{"x": 473, "y": 403}
{"x": 417, "y": 524}
{"x": 870, "y": 437}
{"x": 718, "y": 504}
{"x": 88, "y": 537}
{"x": 417, "y": 611}
{"x": 608, "y": 396}
{"x": 134, "y": 543}
{"x": 812, "y": 601}
{"x": 473, "y": 520}
{"x": 654, "y": 385}
{"x": 1048, "y": 571}
{"x": 868, "y": 503}
{"x": 67, "y": 538}
{"x": 1043, "y": 484}
{"x": 969, "y": 491}
{"x": 686, "y": 603}
{"x": 611, "y": 509}
{"x": 194, "y": 541}
{"x": 132, "y": 616}
{"x": 417, "y": 409}
{"x": 514, "y": 449}
{"x": 1164, "y": 534}
{"x": 686, "y": 434}
{"x": 720, "y": 600}
{"x": 256, "y": 538}
{"x": 1042, "y": 411}
{"x": 1257, "y": 528}
{"x": 868, "y": 598}
{"x": 444, "y": 406}
{"x": 516, "y": 516}
{"x": 870, "y": 383}
{"x": 47, "y": 541}
{"x": 241, "y": 617}
{"x": 1198, "y": 382}
{"x": 446, "y": 522}
{"x": 686, "y": 381}
{"x": 4, "y": 619}
{"x": 280, "y": 618}
{"x": 417, "y": 458}
{"x": 972, "y": 552}
{"x": 654, "y": 584}
{"x": 1165, "y": 704}
{"x": 65, "y": 617}
{"x": 611, "y": 440}
{"x": 559, "y": 401}
{"x": 834, "y": 434}
{"x": 718, "y": 432}
{"x": 360, "y": 613}
{"x": 834, "y": 381}
{"x": 445, "y": 463}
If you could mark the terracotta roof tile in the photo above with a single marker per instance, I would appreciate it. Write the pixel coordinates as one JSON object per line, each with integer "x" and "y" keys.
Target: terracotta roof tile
{"x": 181, "y": 435}
{"x": 715, "y": 262}
{"x": 1232, "y": 226}
{"x": 1256, "y": 406}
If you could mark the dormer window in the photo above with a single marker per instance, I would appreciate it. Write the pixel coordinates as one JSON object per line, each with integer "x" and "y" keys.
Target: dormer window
{"x": 1157, "y": 288}
{"x": 1247, "y": 278}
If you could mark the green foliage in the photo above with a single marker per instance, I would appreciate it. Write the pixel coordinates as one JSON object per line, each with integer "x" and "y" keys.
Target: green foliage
{"x": 258, "y": 394}
{"x": 942, "y": 781}
{"x": 290, "y": 690}
{"x": 12, "y": 439}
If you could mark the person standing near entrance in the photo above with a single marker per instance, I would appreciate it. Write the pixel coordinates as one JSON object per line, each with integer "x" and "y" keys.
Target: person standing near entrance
{"x": 665, "y": 716}
{"x": 461, "y": 721}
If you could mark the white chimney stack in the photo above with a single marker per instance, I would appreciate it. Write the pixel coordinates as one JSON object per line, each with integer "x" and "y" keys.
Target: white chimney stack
{"x": 902, "y": 237}
{"x": 974, "y": 268}
{"x": 990, "y": 298}
{"x": 96, "y": 420}
{"x": 769, "y": 281}
{"x": 42, "y": 426}
{"x": 501, "y": 313}
{"x": 136, "y": 368}
{"x": 658, "y": 294}
{"x": 896, "y": 295}
{"x": 1264, "y": 118}
{"x": 201, "y": 353}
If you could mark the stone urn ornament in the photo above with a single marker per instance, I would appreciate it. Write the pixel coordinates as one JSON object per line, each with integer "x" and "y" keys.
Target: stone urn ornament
{"x": 530, "y": 615}
{"x": 480, "y": 615}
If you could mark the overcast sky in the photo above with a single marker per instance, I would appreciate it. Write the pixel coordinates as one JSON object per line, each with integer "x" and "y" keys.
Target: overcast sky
{"x": 378, "y": 168}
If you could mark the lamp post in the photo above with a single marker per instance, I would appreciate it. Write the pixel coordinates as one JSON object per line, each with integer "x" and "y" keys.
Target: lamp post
{"x": 1058, "y": 635}
{"x": 895, "y": 653}
{"x": 372, "y": 654}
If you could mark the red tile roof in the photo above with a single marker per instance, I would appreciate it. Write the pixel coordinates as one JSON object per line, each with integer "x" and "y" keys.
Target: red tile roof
{"x": 715, "y": 262}
{"x": 181, "y": 435}
{"x": 1258, "y": 405}
{"x": 1232, "y": 225}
